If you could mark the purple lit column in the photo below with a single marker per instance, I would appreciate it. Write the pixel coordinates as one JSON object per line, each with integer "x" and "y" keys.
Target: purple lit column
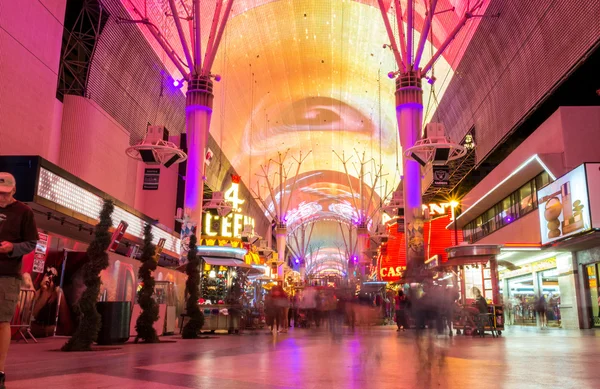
{"x": 409, "y": 111}
{"x": 198, "y": 111}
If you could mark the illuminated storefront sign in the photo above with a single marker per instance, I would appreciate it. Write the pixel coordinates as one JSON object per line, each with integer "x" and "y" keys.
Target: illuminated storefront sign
{"x": 564, "y": 208}
{"x": 539, "y": 266}
{"x": 230, "y": 225}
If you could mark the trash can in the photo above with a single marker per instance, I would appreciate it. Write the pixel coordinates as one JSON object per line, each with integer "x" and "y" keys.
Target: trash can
{"x": 115, "y": 318}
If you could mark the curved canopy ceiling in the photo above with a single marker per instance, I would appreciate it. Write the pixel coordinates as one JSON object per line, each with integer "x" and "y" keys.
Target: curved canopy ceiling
{"x": 311, "y": 76}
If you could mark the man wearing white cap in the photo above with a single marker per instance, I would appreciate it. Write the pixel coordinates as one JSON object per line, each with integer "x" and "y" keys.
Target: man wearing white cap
{"x": 18, "y": 236}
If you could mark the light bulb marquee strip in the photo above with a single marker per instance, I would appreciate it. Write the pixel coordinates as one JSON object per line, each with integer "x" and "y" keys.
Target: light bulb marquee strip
{"x": 61, "y": 191}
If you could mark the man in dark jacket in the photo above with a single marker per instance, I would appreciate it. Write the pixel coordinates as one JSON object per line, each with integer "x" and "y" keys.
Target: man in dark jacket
{"x": 18, "y": 236}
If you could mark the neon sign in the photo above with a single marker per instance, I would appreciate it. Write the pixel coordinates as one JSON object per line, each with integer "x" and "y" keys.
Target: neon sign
{"x": 231, "y": 225}
{"x": 391, "y": 271}
{"x": 232, "y": 195}
{"x": 434, "y": 210}
{"x": 439, "y": 209}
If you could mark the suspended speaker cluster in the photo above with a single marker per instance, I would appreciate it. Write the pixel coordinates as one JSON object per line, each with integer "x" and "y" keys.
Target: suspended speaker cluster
{"x": 155, "y": 148}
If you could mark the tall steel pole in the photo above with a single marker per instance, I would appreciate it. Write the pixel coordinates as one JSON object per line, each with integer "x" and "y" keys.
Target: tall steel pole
{"x": 409, "y": 112}
{"x": 199, "y": 99}
{"x": 198, "y": 112}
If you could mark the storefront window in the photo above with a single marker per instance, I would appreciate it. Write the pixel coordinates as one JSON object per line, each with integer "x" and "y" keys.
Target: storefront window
{"x": 489, "y": 222}
{"x": 517, "y": 204}
{"x": 525, "y": 195}
{"x": 473, "y": 279}
{"x": 542, "y": 180}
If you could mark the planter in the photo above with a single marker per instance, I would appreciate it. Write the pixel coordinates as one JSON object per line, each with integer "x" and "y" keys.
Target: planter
{"x": 116, "y": 317}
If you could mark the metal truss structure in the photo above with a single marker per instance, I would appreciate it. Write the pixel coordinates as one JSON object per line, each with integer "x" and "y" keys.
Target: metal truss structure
{"x": 368, "y": 212}
{"x": 335, "y": 265}
{"x": 370, "y": 176}
{"x": 279, "y": 196}
{"x": 83, "y": 26}
{"x": 299, "y": 242}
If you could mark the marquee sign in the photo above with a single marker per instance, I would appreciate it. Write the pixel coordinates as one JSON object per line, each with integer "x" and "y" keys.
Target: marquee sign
{"x": 231, "y": 225}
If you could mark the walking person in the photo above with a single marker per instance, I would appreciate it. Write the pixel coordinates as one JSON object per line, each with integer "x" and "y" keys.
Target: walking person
{"x": 270, "y": 311}
{"x": 18, "y": 236}
{"x": 283, "y": 305}
{"x": 308, "y": 303}
{"x": 541, "y": 308}
{"x": 401, "y": 306}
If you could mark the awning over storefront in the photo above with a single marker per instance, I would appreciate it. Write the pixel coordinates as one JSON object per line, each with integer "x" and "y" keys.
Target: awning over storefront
{"x": 373, "y": 286}
{"x": 464, "y": 261}
{"x": 471, "y": 254}
{"x": 226, "y": 262}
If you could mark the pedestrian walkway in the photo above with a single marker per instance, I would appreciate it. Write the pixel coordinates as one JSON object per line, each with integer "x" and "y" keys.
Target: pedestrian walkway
{"x": 377, "y": 357}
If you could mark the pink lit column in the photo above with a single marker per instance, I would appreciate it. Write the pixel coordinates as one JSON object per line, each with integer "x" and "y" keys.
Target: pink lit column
{"x": 409, "y": 111}
{"x": 198, "y": 111}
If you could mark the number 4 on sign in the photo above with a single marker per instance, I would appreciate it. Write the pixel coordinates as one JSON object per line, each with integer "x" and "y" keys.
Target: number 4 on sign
{"x": 232, "y": 195}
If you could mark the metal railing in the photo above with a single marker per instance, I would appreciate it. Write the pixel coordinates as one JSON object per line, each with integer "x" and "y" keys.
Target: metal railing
{"x": 24, "y": 314}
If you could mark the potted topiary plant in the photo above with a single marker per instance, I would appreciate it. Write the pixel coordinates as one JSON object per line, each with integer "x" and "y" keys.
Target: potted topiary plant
{"x": 196, "y": 318}
{"x": 145, "y": 322}
{"x": 89, "y": 319}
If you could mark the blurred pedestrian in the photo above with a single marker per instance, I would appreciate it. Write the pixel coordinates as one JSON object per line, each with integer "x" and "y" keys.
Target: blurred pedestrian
{"x": 402, "y": 302}
{"x": 308, "y": 303}
{"x": 541, "y": 307}
{"x": 282, "y": 305}
{"x": 270, "y": 310}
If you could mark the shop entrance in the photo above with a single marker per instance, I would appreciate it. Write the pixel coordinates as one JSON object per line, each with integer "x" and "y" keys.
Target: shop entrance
{"x": 523, "y": 298}
{"x": 593, "y": 290}
{"x": 548, "y": 282}
{"x": 521, "y": 301}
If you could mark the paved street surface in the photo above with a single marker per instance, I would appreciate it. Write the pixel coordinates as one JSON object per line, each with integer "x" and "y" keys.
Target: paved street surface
{"x": 378, "y": 357}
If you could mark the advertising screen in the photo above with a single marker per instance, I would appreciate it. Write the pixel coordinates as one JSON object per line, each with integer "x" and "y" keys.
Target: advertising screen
{"x": 592, "y": 171}
{"x": 563, "y": 206}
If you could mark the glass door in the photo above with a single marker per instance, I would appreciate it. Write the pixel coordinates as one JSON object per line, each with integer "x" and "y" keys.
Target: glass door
{"x": 592, "y": 275}
{"x": 522, "y": 300}
{"x": 548, "y": 282}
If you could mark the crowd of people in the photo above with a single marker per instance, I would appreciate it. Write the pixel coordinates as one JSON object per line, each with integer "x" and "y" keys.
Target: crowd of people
{"x": 424, "y": 306}
{"x": 312, "y": 306}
